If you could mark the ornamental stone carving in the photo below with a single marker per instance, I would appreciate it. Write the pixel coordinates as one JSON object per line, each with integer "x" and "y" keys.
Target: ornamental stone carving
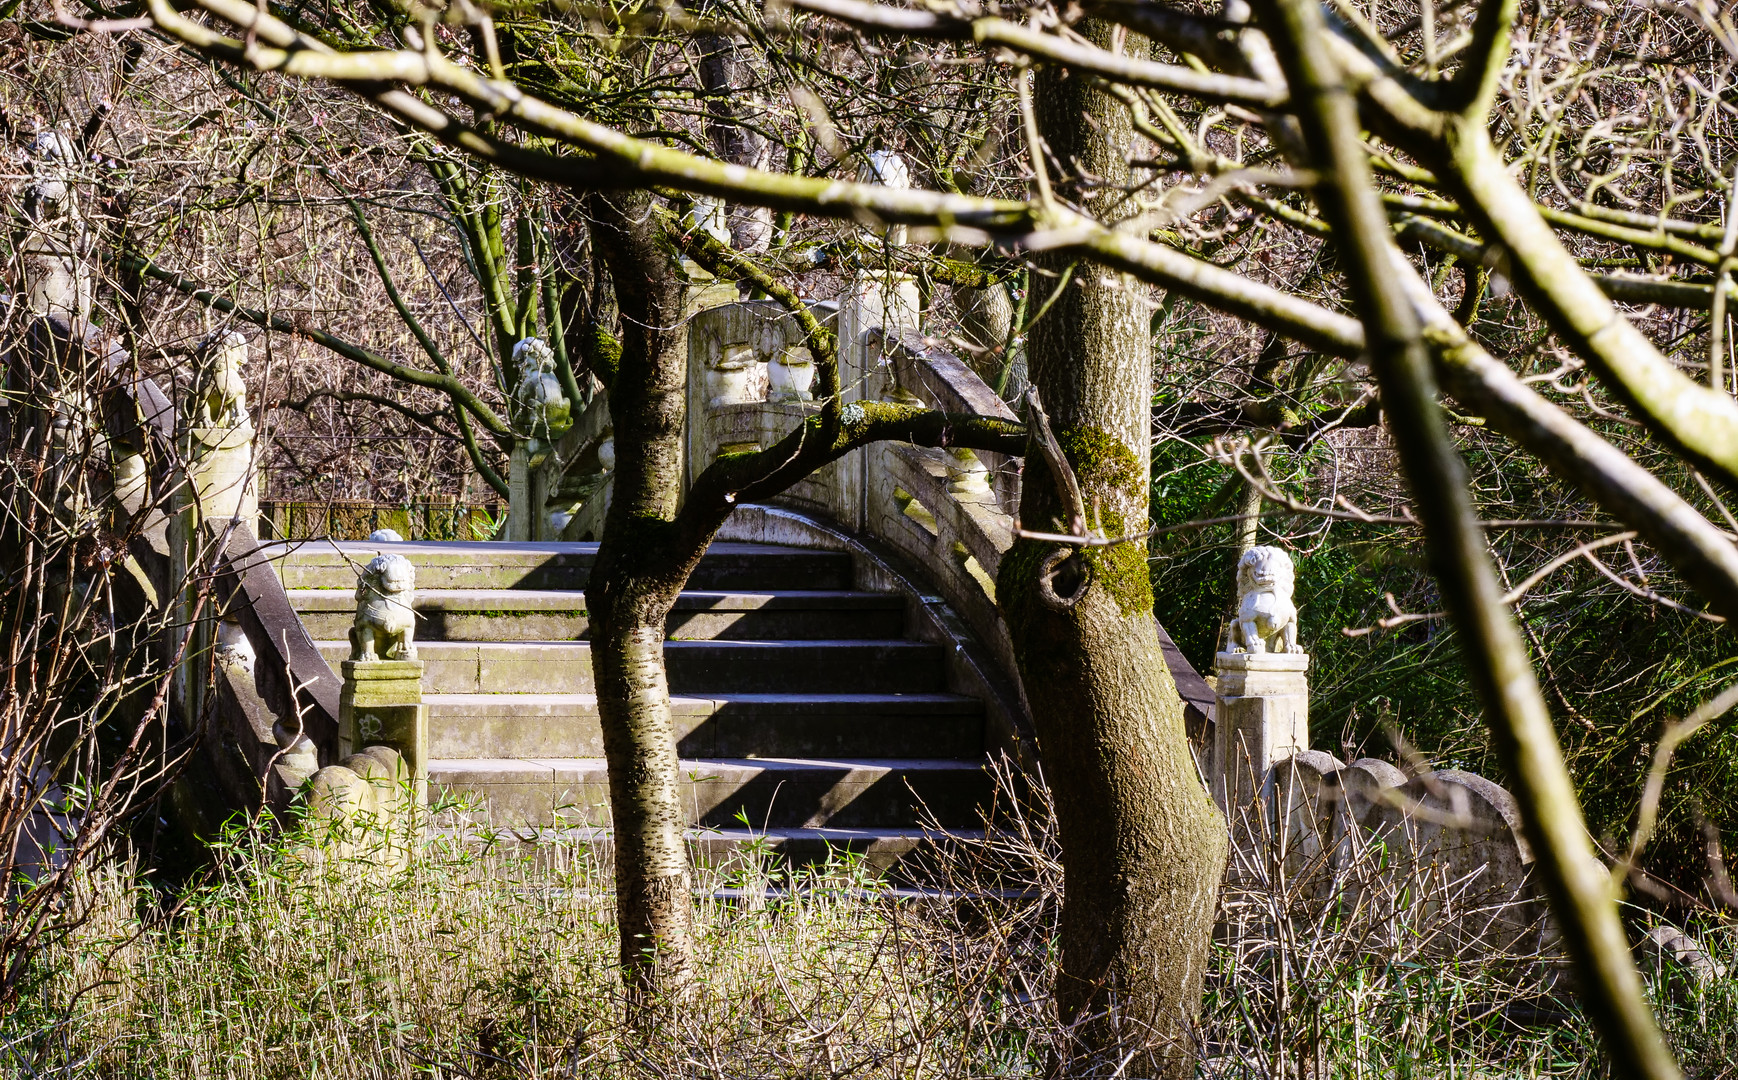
{"x": 385, "y": 623}
{"x": 540, "y": 406}
{"x": 1266, "y": 617}
{"x": 220, "y": 419}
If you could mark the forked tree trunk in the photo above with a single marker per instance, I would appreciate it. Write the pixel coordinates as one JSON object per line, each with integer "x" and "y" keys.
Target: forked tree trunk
{"x": 632, "y": 587}
{"x": 1143, "y": 847}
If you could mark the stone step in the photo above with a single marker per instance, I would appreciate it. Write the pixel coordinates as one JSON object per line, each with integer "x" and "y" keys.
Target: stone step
{"x": 695, "y": 667}
{"x": 879, "y": 849}
{"x": 734, "y": 726}
{"x": 327, "y": 564}
{"x": 762, "y": 793}
{"x": 560, "y": 615}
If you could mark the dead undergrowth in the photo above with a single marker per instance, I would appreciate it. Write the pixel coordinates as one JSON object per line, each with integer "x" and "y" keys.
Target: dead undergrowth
{"x": 486, "y": 958}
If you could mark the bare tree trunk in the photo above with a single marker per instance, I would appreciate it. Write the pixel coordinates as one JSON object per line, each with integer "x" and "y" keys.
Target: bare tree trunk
{"x": 632, "y": 587}
{"x": 1143, "y": 846}
{"x": 728, "y": 81}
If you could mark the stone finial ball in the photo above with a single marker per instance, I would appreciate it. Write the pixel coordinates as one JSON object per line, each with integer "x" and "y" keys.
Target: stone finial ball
{"x": 385, "y": 536}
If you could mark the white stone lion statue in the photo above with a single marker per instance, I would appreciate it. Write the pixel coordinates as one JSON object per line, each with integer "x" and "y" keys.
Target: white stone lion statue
{"x": 385, "y": 623}
{"x": 542, "y": 408}
{"x": 1266, "y": 617}
{"x": 220, "y": 417}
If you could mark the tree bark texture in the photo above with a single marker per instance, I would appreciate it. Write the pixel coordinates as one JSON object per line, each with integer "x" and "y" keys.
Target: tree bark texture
{"x": 633, "y": 585}
{"x": 1143, "y": 846}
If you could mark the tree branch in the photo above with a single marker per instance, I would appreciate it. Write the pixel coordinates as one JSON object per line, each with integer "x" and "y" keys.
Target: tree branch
{"x": 447, "y": 384}
{"x": 1580, "y": 890}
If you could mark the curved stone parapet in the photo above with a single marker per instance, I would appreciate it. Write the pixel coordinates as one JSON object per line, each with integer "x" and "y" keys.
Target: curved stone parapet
{"x": 1308, "y": 801}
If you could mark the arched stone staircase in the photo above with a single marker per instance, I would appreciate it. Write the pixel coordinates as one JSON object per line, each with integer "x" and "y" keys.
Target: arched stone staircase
{"x": 808, "y": 712}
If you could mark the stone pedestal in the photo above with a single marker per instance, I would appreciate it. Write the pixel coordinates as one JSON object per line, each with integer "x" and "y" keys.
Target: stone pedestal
{"x": 224, "y": 474}
{"x": 381, "y": 705}
{"x": 1262, "y": 718}
{"x": 222, "y": 485}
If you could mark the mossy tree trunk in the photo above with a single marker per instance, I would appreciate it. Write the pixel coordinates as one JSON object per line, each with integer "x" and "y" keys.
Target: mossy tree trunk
{"x": 1143, "y": 847}
{"x": 633, "y": 586}
{"x": 649, "y": 549}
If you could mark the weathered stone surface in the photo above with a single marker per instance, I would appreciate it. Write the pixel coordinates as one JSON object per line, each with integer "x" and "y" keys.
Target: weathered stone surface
{"x": 1261, "y": 718}
{"x": 381, "y": 705}
{"x": 715, "y": 667}
{"x": 540, "y": 615}
{"x": 497, "y": 565}
{"x": 1667, "y": 951}
{"x": 1307, "y": 800}
{"x": 748, "y": 725}
{"x": 1464, "y": 837}
{"x": 767, "y": 792}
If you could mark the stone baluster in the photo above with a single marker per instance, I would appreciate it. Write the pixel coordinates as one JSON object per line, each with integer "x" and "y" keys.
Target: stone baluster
{"x": 968, "y": 477}
{"x": 790, "y": 375}
{"x": 730, "y": 370}
{"x": 1262, "y": 714}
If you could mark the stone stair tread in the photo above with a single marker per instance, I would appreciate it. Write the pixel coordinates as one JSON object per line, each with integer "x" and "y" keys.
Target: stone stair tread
{"x": 733, "y": 644}
{"x": 709, "y": 766}
{"x": 502, "y": 548}
{"x": 930, "y": 700}
{"x": 574, "y": 599}
{"x": 580, "y": 834}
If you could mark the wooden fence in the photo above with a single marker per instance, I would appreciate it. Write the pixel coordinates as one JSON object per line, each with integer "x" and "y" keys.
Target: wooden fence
{"x": 355, "y": 519}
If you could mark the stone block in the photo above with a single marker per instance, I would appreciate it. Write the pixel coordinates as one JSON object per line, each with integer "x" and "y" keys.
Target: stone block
{"x": 381, "y": 705}
{"x": 1262, "y": 718}
{"x": 1466, "y": 845}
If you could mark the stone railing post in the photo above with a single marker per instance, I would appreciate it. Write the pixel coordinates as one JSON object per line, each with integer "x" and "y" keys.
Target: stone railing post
{"x": 1262, "y": 713}
{"x": 217, "y": 443}
{"x": 56, "y": 246}
{"x": 381, "y": 700}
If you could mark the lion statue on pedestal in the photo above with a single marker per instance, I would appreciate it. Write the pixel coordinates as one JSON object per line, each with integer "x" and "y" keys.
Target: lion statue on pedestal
{"x": 385, "y": 623}
{"x": 1266, "y": 617}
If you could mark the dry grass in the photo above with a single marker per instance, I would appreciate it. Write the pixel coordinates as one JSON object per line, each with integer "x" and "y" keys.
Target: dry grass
{"x": 492, "y": 960}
